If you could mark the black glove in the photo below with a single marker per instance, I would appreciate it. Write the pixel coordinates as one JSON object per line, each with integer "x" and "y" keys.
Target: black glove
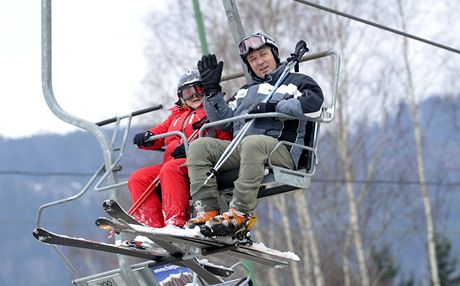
{"x": 210, "y": 73}
{"x": 198, "y": 124}
{"x": 140, "y": 139}
{"x": 179, "y": 152}
{"x": 300, "y": 49}
{"x": 262, "y": 108}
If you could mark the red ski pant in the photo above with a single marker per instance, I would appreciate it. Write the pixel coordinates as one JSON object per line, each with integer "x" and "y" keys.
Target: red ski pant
{"x": 174, "y": 207}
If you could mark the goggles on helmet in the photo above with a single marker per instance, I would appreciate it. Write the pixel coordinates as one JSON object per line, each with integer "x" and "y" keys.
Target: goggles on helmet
{"x": 191, "y": 91}
{"x": 253, "y": 42}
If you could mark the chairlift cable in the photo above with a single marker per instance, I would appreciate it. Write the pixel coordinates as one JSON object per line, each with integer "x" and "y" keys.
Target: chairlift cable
{"x": 367, "y": 22}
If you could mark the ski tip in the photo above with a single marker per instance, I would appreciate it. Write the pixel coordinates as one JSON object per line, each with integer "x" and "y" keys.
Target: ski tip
{"x": 40, "y": 234}
{"x": 108, "y": 203}
{"x": 102, "y": 221}
{"x": 106, "y": 224}
{"x": 35, "y": 233}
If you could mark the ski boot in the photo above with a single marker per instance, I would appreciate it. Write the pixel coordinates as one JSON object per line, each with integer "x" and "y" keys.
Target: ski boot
{"x": 233, "y": 223}
{"x": 201, "y": 218}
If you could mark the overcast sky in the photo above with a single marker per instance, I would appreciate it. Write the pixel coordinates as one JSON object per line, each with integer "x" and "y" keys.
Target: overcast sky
{"x": 98, "y": 61}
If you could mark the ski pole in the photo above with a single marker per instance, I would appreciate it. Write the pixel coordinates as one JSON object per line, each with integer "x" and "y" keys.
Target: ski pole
{"x": 144, "y": 195}
{"x": 300, "y": 50}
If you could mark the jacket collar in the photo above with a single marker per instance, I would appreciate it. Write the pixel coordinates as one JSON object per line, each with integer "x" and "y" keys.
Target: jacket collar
{"x": 272, "y": 77}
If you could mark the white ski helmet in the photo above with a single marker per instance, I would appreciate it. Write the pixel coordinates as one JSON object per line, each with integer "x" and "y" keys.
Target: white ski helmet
{"x": 190, "y": 77}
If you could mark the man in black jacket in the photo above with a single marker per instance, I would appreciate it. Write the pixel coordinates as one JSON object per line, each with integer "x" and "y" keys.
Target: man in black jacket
{"x": 298, "y": 95}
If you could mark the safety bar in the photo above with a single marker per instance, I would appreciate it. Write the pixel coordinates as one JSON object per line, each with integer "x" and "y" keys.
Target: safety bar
{"x": 255, "y": 115}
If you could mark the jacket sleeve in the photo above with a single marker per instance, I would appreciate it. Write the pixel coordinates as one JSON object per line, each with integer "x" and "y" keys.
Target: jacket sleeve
{"x": 217, "y": 109}
{"x": 306, "y": 97}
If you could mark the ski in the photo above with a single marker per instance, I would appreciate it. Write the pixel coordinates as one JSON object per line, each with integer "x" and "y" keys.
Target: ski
{"x": 49, "y": 237}
{"x": 115, "y": 210}
{"x": 120, "y": 226}
{"x": 160, "y": 257}
{"x": 125, "y": 222}
{"x": 191, "y": 237}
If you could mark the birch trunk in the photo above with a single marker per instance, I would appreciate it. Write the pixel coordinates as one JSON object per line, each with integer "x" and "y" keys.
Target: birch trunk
{"x": 288, "y": 234}
{"x": 272, "y": 277}
{"x": 346, "y": 260}
{"x": 354, "y": 221}
{"x": 309, "y": 244}
{"x": 420, "y": 165}
{"x": 300, "y": 210}
{"x": 345, "y": 160}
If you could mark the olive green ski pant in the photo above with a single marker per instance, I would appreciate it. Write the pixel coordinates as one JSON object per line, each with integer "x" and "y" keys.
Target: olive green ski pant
{"x": 251, "y": 157}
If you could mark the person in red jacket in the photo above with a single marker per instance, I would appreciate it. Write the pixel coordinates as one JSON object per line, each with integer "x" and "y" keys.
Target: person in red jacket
{"x": 173, "y": 207}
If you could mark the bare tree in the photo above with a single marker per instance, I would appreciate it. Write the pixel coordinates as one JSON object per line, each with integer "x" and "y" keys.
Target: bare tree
{"x": 420, "y": 163}
{"x": 310, "y": 247}
{"x": 288, "y": 234}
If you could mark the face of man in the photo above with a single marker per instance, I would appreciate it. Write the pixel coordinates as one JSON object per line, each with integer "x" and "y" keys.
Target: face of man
{"x": 262, "y": 61}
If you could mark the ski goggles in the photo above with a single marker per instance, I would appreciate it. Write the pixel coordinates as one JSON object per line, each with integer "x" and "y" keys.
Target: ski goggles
{"x": 191, "y": 91}
{"x": 253, "y": 42}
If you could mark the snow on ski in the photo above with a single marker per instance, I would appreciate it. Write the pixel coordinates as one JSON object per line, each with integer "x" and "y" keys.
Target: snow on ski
{"x": 123, "y": 222}
{"x": 193, "y": 237}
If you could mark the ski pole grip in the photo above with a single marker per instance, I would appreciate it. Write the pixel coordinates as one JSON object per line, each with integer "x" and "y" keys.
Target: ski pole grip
{"x": 300, "y": 49}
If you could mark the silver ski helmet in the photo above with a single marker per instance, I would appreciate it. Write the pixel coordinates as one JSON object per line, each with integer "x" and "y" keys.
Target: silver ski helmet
{"x": 256, "y": 41}
{"x": 190, "y": 77}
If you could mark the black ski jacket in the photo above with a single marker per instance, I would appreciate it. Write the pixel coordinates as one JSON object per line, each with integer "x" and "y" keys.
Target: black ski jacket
{"x": 298, "y": 95}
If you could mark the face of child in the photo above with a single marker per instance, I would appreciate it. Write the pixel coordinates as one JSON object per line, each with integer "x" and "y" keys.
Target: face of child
{"x": 193, "y": 95}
